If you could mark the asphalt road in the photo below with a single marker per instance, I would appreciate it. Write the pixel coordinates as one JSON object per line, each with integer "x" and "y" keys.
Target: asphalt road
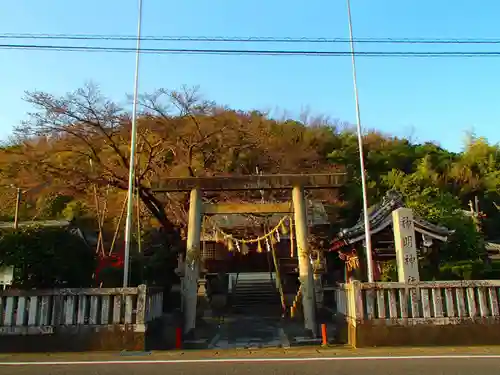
{"x": 358, "y": 366}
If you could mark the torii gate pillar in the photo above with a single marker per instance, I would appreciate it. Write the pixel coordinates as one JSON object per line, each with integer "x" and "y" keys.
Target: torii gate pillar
{"x": 192, "y": 263}
{"x": 305, "y": 266}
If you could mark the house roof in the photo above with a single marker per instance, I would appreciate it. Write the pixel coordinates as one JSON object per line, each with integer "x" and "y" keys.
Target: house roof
{"x": 42, "y": 223}
{"x": 380, "y": 217}
{"x": 49, "y": 223}
{"x": 493, "y": 246}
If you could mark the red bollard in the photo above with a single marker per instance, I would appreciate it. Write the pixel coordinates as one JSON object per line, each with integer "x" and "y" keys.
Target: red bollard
{"x": 324, "y": 335}
{"x": 178, "y": 338}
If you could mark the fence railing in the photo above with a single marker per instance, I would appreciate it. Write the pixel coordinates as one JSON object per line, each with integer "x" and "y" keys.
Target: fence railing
{"x": 154, "y": 304}
{"x": 40, "y": 311}
{"x": 440, "y": 302}
{"x": 341, "y": 300}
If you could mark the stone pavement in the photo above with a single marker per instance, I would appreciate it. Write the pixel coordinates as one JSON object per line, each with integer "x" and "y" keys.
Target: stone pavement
{"x": 250, "y": 332}
{"x": 239, "y": 331}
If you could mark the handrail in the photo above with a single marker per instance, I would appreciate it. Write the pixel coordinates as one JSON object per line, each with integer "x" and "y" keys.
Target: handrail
{"x": 233, "y": 287}
{"x": 235, "y": 283}
{"x": 229, "y": 300}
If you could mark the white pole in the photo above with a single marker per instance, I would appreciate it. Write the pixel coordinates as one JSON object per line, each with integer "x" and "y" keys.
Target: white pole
{"x": 368, "y": 241}
{"x": 133, "y": 141}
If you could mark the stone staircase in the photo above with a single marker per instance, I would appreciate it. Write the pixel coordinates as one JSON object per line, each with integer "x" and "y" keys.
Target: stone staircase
{"x": 256, "y": 294}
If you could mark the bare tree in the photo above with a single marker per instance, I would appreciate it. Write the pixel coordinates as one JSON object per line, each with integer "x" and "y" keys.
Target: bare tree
{"x": 86, "y": 140}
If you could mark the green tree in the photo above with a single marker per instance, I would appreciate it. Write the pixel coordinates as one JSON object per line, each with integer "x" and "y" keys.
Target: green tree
{"x": 439, "y": 207}
{"x": 47, "y": 258}
{"x": 182, "y": 134}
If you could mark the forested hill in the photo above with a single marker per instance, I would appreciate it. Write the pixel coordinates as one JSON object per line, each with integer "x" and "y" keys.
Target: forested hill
{"x": 74, "y": 149}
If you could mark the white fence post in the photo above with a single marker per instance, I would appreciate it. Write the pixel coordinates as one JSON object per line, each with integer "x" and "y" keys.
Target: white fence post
{"x": 429, "y": 302}
{"x": 40, "y": 311}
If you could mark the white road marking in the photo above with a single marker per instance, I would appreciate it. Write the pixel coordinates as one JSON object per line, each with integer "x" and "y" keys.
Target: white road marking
{"x": 248, "y": 360}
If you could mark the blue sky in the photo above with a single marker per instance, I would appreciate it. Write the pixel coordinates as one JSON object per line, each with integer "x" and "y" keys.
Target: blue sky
{"x": 429, "y": 99}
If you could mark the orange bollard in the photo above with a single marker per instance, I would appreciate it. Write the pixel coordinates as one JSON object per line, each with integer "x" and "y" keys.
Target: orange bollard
{"x": 324, "y": 335}
{"x": 178, "y": 338}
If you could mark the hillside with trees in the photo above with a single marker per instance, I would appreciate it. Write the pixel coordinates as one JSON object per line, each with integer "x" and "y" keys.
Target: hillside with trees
{"x": 71, "y": 155}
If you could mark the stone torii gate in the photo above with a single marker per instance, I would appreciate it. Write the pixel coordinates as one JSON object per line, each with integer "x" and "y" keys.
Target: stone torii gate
{"x": 298, "y": 183}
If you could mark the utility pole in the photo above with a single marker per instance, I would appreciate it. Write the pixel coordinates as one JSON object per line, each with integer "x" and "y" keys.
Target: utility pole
{"x": 133, "y": 144}
{"x": 368, "y": 240}
{"x": 18, "y": 204}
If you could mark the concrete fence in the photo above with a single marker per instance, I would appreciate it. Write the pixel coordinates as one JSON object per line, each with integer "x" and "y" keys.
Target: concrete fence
{"x": 154, "y": 304}
{"x": 424, "y": 313}
{"x": 102, "y": 318}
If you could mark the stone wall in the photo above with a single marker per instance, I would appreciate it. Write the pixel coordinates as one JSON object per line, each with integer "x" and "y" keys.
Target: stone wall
{"x": 75, "y": 340}
{"x": 419, "y": 314}
{"x": 80, "y": 319}
{"x": 467, "y": 333}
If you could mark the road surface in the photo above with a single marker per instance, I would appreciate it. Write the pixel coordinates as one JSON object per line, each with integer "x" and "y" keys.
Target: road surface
{"x": 266, "y": 366}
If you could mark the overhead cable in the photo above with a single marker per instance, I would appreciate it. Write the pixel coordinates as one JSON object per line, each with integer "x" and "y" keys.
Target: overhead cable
{"x": 241, "y": 52}
{"x": 236, "y": 39}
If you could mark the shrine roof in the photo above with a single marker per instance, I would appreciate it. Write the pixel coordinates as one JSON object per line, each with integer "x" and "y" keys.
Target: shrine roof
{"x": 380, "y": 217}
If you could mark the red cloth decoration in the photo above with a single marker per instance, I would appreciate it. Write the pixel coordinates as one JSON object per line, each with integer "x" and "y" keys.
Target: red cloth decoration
{"x": 115, "y": 261}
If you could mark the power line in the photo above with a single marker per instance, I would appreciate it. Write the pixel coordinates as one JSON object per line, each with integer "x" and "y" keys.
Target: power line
{"x": 319, "y": 40}
{"x": 241, "y": 52}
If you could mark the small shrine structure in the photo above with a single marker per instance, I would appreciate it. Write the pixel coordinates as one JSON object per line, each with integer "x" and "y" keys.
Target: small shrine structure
{"x": 396, "y": 233}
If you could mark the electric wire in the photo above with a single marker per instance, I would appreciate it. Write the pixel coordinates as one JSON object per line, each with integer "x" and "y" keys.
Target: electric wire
{"x": 240, "y": 52}
{"x": 235, "y": 39}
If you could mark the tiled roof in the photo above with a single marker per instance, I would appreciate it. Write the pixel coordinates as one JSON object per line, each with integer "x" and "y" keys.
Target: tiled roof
{"x": 379, "y": 214}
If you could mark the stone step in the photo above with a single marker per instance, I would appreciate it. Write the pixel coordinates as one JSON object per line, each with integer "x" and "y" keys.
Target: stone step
{"x": 305, "y": 341}
{"x": 266, "y": 285}
{"x": 195, "y": 343}
{"x": 271, "y": 311}
{"x": 240, "y": 292}
{"x": 257, "y": 303}
{"x": 263, "y": 286}
{"x": 254, "y": 276}
{"x": 257, "y": 308}
{"x": 254, "y": 299}
{"x": 256, "y": 296}
{"x": 255, "y": 291}
{"x": 256, "y": 281}
{"x": 265, "y": 293}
